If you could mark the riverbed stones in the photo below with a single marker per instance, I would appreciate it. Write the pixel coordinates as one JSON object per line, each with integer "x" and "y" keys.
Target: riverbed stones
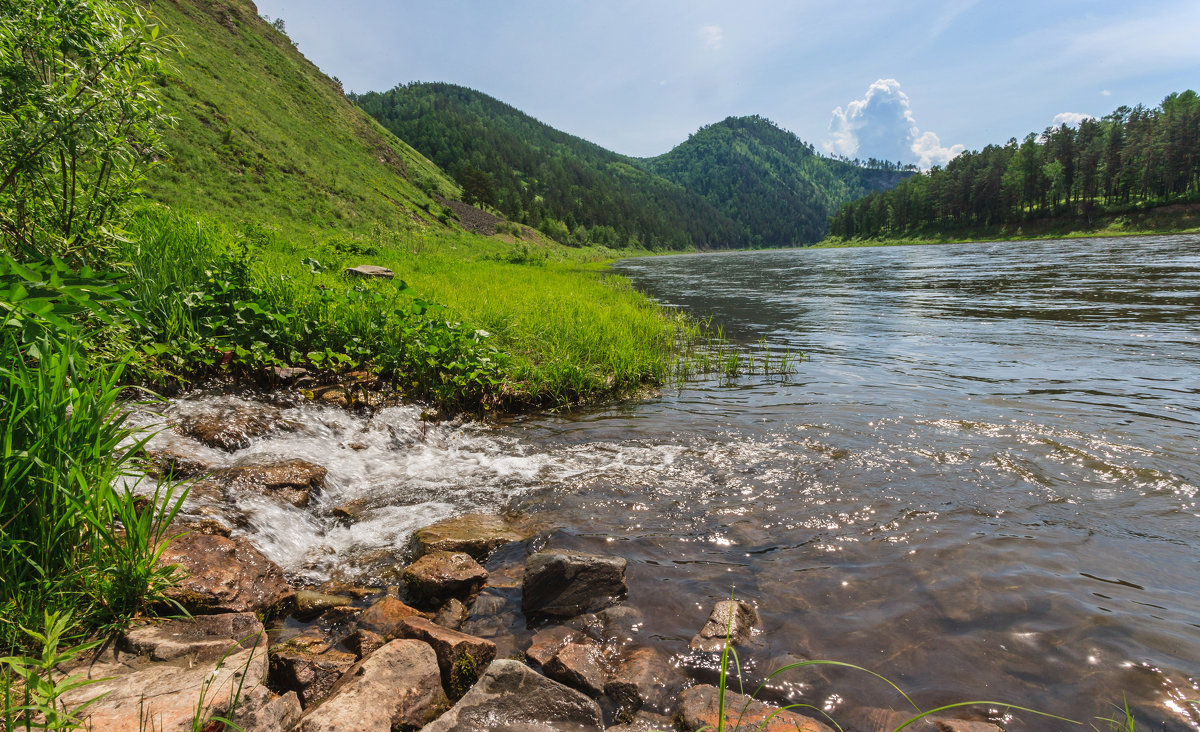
{"x": 578, "y": 665}
{"x": 512, "y": 696}
{"x": 363, "y": 643}
{"x": 175, "y": 464}
{"x": 225, "y": 575}
{"x": 565, "y": 583}
{"x": 203, "y": 638}
{"x": 477, "y": 534}
{"x": 699, "y": 707}
{"x": 370, "y": 271}
{"x": 396, "y": 687}
{"x": 735, "y": 618}
{"x": 230, "y": 426}
{"x": 875, "y": 719}
{"x": 452, "y": 649}
{"x": 644, "y": 678}
{"x": 452, "y": 615}
{"x": 292, "y": 481}
{"x": 278, "y": 715}
{"x": 442, "y": 575}
{"x": 386, "y": 616}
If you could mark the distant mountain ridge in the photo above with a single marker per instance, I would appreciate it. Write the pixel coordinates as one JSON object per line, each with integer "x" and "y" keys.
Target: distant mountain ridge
{"x": 768, "y": 180}
{"x": 738, "y": 183}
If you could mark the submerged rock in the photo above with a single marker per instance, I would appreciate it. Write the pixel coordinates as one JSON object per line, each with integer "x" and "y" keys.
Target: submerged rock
{"x": 728, "y": 617}
{"x": 225, "y": 576}
{"x": 699, "y": 707}
{"x": 443, "y": 575}
{"x": 175, "y": 464}
{"x": 291, "y": 480}
{"x": 230, "y": 427}
{"x": 310, "y": 604}
{"x": 874, "y": 719}
{"x": 547, "y": 642}
{"x": 644, "y": 678}
{"x": 452, "y": 615}
{"x": 566, "y": 584}
{"x": 512, "y": 696}
{"x": 396, "y": 687}
{"x": 477, "y": 534}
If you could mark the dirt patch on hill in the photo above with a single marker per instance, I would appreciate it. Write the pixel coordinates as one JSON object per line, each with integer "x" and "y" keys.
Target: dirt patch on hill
{"x": 472, "y": 219}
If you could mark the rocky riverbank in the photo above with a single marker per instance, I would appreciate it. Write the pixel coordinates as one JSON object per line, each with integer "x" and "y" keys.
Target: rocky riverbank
{"x": 479, "y": 625}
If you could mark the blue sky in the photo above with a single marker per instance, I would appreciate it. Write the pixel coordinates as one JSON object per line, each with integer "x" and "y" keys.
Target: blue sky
{"x": 891, "y": 79}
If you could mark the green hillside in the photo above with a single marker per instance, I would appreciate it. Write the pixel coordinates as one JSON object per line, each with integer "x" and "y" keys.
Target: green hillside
{"x": 572, "y": 189}
{"x": 768, "y": 180}
{"x": 261, "y": 132}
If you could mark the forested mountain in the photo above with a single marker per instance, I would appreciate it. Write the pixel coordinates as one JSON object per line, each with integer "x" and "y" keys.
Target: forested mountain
{"x": 1132, "y": 159}
{"x": 262, "y": 134}
{"x": 768, "y": 180}
{"x": 572, "y": 189}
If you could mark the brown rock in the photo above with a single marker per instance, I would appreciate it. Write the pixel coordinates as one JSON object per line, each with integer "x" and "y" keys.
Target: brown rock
{"x": 225, "y": 575}
{"x": 452, "y": 615}
{"x": 451, "y": 648}
{"x": 386, "y": 616}
{"x": 278, "y": 715}
{"x": 548, "y": 641}
{"x": 169, "y": 692}
{"x": 202, "y": 638}
{"x": 230, "y": 427}
{"x": 206, "y": 526}
{"x": 699, "y": 707}
{"x": 290, "y": 480}
{"x": 477, "y": 534}
{"x": 875, "y": 719}
{"x": 363, "y": 643}
{"x": 578, "y": 666}
{"x": 442, "y": 575}
{"x": 643, "y": 678}
{"x": 645, "y": 722}
{"x": 735, "y": 618}
{"x": 397, "y": 686}
{"x": 309, "y": 666}
{"x": 511, "y": 696}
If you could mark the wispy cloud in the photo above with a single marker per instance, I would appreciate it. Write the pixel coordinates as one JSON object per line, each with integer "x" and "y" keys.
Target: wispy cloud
{"x": 881, "y": 125}
{"x": 712, "y": 36}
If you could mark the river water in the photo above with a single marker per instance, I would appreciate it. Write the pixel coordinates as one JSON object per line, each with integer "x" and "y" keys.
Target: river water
{"x": 982, "y": 482}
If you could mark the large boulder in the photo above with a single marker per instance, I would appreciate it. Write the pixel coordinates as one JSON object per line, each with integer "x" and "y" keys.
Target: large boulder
{"x": 289, "y": 480}
{"x": 699, "y": 707}
{"x": 510, "y": 696}
{"x": 566, "y": 584}
{"x": 477, "y": 534}
{"x": 731, "y": 618}
{"x": 438, "y": 576}
{"x": 308, "y": 665}
{"x": 461, "y": 657}
{"x": 396, "y": 687}
{"x": 203, "y": 638}
{"x": 129, "y": 691}
{"x": 225, "y": 575}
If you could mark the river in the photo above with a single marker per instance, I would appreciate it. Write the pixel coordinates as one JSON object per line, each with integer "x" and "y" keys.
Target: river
{"x": 981, "y": 482}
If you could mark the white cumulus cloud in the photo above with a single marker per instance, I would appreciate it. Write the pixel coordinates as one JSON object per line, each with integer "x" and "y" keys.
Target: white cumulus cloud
{"x": 881, "y": 125}
{"x": 712, "y": 36}
{"x": 1071, "y": 118}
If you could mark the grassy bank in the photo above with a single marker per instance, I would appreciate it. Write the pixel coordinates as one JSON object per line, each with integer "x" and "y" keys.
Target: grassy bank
{"x": 1172, "y": 219}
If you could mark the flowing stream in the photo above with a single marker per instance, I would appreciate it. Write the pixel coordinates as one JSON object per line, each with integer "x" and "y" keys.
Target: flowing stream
{"x": 981, "y": 483}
